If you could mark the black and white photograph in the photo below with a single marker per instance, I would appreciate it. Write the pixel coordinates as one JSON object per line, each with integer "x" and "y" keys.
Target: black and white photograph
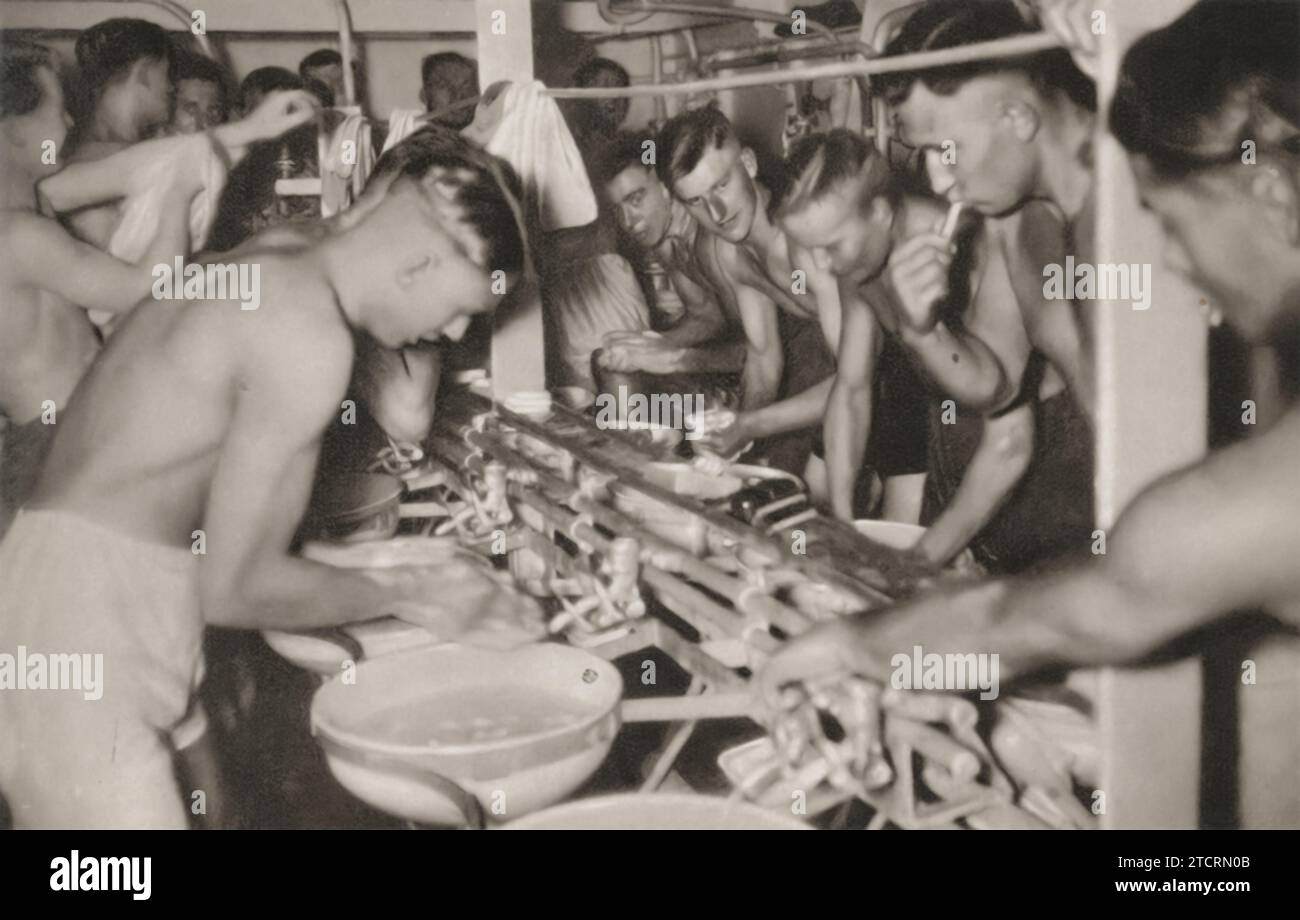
{"x": 644, "y": 415}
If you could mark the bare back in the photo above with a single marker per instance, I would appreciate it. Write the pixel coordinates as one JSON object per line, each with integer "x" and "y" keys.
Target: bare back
{"x": 139, "y": 445}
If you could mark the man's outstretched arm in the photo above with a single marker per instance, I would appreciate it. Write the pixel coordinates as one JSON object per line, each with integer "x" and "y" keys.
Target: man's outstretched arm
{"x": 1214, "y": 538}
{"x": 91, "y": 182}
{"x": 53, "y": 260}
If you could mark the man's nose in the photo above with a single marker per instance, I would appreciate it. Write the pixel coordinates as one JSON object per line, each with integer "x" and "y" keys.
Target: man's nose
{"x": 717, "y": 208}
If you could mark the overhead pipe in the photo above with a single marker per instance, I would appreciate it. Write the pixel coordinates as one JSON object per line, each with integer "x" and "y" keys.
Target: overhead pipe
{"x": 981, "y": 51}
{"x": 617, "y": 16}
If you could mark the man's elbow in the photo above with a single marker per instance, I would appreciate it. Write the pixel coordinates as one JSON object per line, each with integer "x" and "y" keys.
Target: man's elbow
{"x": 1012, "y": 442}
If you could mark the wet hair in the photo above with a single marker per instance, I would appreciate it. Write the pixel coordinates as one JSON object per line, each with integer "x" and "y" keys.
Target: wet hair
{"x": 267, "y": 79}
{"x": 187, "y": 65}
{"x": 624, "y": 149}
{"x": 686, "y": 137}
{"x": 820, "y": 164}
{"x": 491, "y": 198}
{"x": 449, "y": 60}
{"x": 1190, "y": 95}
{"x": 941, "y": 24}
{"x": 321, "y": 57}
{"x": 108, "y": 50}
{"x": 586, "y": 74}
{"x": 20, "y": 85}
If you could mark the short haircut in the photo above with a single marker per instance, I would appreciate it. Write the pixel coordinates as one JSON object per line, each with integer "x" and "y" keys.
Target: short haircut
{"x": 321, "y": 57}
{"x": 624, "y": 149}
{"x": 108, "y": 50}
{"x": 686, "y": 137}
{"x": 492, "y": 198}
{"x": 819, "y": 164}
{"x": 267, "y": 79}
{"x": 942, "y": 24}
{"x": 586, "y": 74}
{"x": 449, "y": 60}
{"x": 1190, "y": 95}
{"x": 187, "y": 65}
{"x": 20, "y": 86}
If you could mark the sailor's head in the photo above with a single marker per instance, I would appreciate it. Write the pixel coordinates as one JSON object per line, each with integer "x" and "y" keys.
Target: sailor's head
{"x": 703, "y": 163}
{"x": 1209, "y": 112}
{"x": 451, "y": 236}
{"x": 840, "y": 203}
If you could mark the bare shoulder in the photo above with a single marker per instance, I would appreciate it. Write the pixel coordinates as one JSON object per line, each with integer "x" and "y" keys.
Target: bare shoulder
{"x": 296, "y": 340}
{"x": 1265, "y": 462}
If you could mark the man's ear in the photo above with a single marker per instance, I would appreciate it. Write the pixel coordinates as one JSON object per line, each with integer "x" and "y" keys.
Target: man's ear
{"x": 414, "y": 271}
{"x": 1024, "y": 119}
{"x": 750, "y": 160}
{"x": 1275, "y": 192}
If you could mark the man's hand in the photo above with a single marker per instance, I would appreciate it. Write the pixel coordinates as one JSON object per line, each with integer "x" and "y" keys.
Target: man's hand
{"x": 280, "y": 111}
{"x": 459, "y": 601}
{"x": 724, "y": 432}
{"x": 918, "y": 273}
{"x": 639, "y": 351}
{"x": 821, "y": 655}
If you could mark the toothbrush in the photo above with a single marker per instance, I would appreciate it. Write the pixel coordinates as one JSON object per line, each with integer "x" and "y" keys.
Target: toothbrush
{"x": 950, "y": 222}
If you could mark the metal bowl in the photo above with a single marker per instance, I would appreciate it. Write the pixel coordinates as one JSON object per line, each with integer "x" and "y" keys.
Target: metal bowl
{"x": 384, "y": 762}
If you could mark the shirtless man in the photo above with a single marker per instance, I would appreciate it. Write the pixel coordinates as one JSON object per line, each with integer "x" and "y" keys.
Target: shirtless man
{"x": 1010, "y": 138}
{"x": 1001, "y": 135}
{"x": 844, "y": 208}
{"x": 183, "y": 465}
{"x": 752, "y": 265}
{"x": 664, "y": 233}
{"x": 1221, "y": 535}
{"x": 124, "y": 66}
{"x": 47, "y": 276}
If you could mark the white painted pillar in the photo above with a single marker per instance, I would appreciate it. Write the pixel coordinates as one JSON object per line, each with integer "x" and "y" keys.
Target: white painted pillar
{"x": 505, "y": 52}
{"x": 1151, "y": 419}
